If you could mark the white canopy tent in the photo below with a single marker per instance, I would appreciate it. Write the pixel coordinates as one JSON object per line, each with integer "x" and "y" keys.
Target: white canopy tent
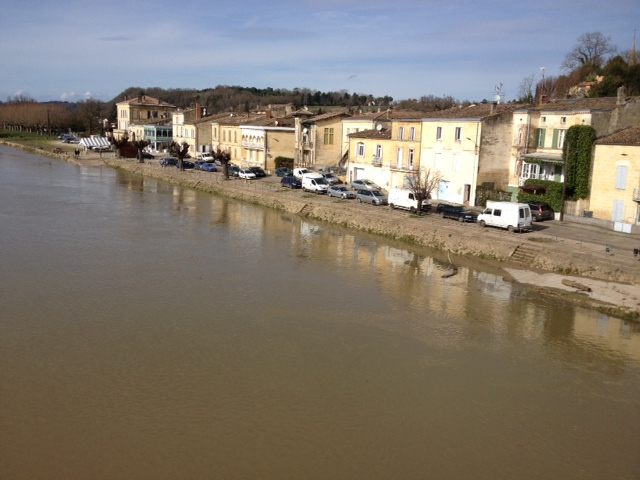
{"x": 95, "y": 141}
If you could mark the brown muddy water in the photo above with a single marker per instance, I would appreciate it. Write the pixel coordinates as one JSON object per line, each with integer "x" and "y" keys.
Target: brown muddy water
{"x": 153, "y": 332}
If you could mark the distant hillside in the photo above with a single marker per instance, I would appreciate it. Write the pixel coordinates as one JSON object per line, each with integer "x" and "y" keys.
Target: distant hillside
{"x": 240, "y": 99}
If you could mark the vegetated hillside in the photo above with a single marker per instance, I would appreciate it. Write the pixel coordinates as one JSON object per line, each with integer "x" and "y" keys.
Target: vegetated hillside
{"x": 239, "y": 99}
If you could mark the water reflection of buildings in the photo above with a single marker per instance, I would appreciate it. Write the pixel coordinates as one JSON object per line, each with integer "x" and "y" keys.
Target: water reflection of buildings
{"x": 471, "y": 297}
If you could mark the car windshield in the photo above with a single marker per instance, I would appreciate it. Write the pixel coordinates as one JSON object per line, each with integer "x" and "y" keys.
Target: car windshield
{"x": 377, "y": 193}
{"x": 367, "y": 182}
{"x": 342, "y": 189}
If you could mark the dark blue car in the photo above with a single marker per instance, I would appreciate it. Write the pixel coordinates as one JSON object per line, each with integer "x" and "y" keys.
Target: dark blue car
{"x": 168, "y": 161}
{"x": 208, "y": 167}
{"x": 291, "y": 182}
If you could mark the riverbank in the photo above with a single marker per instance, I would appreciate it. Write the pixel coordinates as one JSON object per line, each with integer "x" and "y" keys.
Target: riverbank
{"x": 534, "y": 258}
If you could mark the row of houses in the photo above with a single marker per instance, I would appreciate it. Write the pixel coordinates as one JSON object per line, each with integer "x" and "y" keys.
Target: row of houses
{"x": 492, "y": 145}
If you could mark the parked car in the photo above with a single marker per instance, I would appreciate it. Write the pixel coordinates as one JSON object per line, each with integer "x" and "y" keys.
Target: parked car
{"x": 291, "y": 182}
{"x": 186, "y": 165}
{"x": 299, "y": 172}
{"x": 283, "y": 172}
{"x": 208, "y": 167}
{"x": 198, "y": 164}
{"x": 168, "y": 161}
{"x": 340, "y": 191}
{"x": 457, "y": 212}
{"x": 364, "y": 185}
{"x": 258, "y": 172}
{"x": 246, "y": 174}
{"x": 331, "y": 178}
{"x": 233, "y": 170}
{"x": 206, "y": 157}
{"x": 374, "y": 197}
{"x": 145, "y": 155}
{"x": 541, "y": 211}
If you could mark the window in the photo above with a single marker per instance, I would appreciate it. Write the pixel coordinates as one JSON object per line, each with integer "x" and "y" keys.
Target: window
{"x": 379, "y": 152}
{"x": 224, "y": 135}
{"x": 360, "y": 150}
{"x": 235, "y": 137}
{"x": 458, "y": 134}
{"x": 621, "y": 177}
{"x": 438, "y": 133}
{"x": 563, "y": 120}
{"x": 401, "y": 133}
{"x": 412, "y": 134}
{"x": 530, "y": 170}
{"x": 399, "y": 159}
{"x": 411, "y": 157}
{"x": 560, "y": 141}
{"x": 215, "y": 133}
{"x": 520, "y": 137}
{"x": 540, "y": 134}
{"x": 328, "y": 136}
{"x": 544, "y": 119}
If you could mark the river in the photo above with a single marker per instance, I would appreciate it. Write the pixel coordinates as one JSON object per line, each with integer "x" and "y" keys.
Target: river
{"x": 150, "y": 331}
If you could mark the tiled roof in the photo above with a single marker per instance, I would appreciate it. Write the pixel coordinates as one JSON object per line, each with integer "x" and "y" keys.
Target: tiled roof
{"x": 146, "y": 100}
{"x": 482, "y": 110}
{"x": 383, "y": 134}
{"x": 581, "y": 104}
{"x": 326, "y": 116}
{"x": 628, "y": 136}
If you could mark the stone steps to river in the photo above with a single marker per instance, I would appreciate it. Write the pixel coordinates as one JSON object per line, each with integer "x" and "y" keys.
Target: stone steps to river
{"x": 525, "y": 254}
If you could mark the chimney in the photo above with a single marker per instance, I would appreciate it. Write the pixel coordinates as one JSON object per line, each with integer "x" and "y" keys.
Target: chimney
{"x": 268, "y": 114}
{"x": 622, "y": 95}
{"x": 544, "y": 99}
{"x": 198, "y": 111}
{"x": 494, "y": 108}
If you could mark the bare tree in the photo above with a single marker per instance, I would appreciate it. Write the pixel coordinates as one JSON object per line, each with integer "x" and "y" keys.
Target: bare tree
{"x": 180, "y": 152}
{"x": 422, "y": 182}
{"x": 224, "y": 158}
{"x": 140, "y": 145}
{"x": 525, "y": 90}
{"x": 591, "y": 50}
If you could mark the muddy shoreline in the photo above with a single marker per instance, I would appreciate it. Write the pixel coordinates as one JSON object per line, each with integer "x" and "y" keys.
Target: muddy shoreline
{"x": 615, "y": 289}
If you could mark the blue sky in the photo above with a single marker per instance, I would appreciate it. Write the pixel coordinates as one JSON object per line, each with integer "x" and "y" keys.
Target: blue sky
{"x": 72, "y": 49}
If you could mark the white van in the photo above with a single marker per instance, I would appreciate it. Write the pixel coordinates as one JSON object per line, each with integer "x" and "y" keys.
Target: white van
{"x": 314, "y": 182}
{"x": 406, "y": 199}
{"x": 299, "y": 172}
{"x": 509, "y": 215}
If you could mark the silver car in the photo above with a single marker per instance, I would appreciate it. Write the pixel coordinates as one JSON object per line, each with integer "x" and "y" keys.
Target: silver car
{"x": 340, "y": 191}
{"x": 374, "y": 197}
{"x": 363, "y": 184}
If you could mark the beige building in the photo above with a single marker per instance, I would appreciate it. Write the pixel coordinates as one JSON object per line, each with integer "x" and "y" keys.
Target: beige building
{"x": 468, "y": 146}
{"x": 539, "y": 132}
{"x": 263, "y": 140}
{"x": 318, "y": 139}
{"x": 615, "y": 184}
{"x": 141, "y": 110}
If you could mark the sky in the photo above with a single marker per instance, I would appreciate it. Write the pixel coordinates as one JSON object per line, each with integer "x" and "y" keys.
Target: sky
{"x": 71, "y": 50}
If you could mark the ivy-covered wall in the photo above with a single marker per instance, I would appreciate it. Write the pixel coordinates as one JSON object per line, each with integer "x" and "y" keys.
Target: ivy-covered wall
{"x": 577, "y": 151}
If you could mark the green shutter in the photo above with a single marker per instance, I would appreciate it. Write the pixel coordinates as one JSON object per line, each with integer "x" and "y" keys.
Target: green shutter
{"x": 555, "y": 138}
{"x": 540, "y": 133}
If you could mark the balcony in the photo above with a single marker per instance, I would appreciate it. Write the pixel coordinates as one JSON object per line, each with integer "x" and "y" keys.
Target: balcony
{"x": 376, "y": 161}
{"x": 253, "y": 146}
{"x": 636, "y": 194}
{"x": 307, "y": 145}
